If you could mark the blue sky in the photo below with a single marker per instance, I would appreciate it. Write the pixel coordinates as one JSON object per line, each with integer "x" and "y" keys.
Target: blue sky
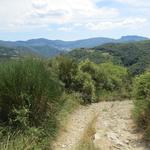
{"x": 73, "y": 19}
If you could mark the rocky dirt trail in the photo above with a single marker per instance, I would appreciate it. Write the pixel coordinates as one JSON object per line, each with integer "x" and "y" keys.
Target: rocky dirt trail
{"x": 114, "y": 128}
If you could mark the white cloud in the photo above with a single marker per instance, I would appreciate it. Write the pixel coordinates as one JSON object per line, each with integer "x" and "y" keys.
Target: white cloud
{"x": 136, "y": 3}
{"x": 38, "y": 12}
{"x": 66, "y": 29}
{"x": 27, "y": 14}
{"x": 129, "y": 22}
{"x": 69, "y": 11}
{"x": 38, "y": 4}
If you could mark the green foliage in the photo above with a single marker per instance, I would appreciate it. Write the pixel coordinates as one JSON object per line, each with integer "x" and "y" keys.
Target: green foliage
{"x": 74, "y": 79}
{"x": 26, "y": 88}
{"x": 107, "y": 78}
{"x": 89, "y": 67}
{"x": 21, "y": 117}
{"x": 134, "y": 56}
{"x": 67, "y": 70}
{"x": 32, "y": 98}
{"x": 141, "y": 92}
{"x": 90, "y": 79}
{"x": 85, "y": 85}
{"x": 112, "y": 77}
{"x": 91, "y": 54}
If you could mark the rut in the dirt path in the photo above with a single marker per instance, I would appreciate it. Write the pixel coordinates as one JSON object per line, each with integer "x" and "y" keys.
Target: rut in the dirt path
{"x": 114, "y": 128}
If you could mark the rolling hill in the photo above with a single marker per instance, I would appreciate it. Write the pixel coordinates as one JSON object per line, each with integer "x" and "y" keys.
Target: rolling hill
{"x": 134, "y": 55}
{"x": 50, "y": 48}
{"x": 14, "y": 53}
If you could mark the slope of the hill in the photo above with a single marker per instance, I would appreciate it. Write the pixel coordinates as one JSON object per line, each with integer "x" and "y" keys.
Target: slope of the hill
{"x": 50, "y": 48}
{"x": 134, "y": 55}
{"x": 13, "y": 53}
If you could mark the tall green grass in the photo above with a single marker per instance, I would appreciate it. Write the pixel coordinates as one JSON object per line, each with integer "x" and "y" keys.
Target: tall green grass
{"x": 30, "y": 97}
{"x": 27, "y": 89}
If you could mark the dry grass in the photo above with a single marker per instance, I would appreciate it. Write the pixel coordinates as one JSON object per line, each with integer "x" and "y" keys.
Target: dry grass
{"x": 86, "y": 142}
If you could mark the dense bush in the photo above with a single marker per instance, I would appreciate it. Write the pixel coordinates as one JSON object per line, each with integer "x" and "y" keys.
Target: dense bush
{"x": 84, "y": 84}
{"x": 112, "y": 77}
{"x": 141, "y": 93}
{"x": 74, "y": 78}
{"x": 27, "y": 92}
{"x": 67, "y": 71}
{"x": 90, "y": 79}
{"x": 90, "y": 68}
{"x": 106, "y": 75}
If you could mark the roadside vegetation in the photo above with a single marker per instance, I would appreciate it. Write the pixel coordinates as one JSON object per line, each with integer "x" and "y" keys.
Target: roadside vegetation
{"x": 36, "y": 96}
{"x": 86, "y": 142}
{"x": 142, "y": 103}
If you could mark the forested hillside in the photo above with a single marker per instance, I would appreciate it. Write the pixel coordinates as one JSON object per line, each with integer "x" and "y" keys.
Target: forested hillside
{"x": 134, "y": 56}
{"x": 50, "y": 48}
{"x": 14, "y": 53}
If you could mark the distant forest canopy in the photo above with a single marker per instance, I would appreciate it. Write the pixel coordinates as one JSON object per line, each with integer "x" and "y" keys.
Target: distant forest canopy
{"x": 134, "y": 55}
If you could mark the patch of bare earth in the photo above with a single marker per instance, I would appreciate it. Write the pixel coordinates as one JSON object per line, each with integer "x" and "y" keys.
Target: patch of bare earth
{"x": 114, "y": 128}
{"x": 75, "y": 127}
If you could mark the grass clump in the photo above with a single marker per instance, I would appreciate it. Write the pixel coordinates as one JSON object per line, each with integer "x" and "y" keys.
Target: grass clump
{"x": 86, "y": 143}
{"x": 141, "y": 111}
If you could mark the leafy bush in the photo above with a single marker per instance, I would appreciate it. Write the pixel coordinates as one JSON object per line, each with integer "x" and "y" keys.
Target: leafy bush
{"x": 112, "y": 77}
{"x": 106, "y": 76}
{"x": 73, "y": 77}
{"x": 27, "y": 92}
{"x": 89, "y": 67}
{"x": 141, "y": 93}
{"x": 67, "y": 70}
{"x": 84, "y": 84}
{"x": 92, "y": 69}
{"x": 91, "y": 79}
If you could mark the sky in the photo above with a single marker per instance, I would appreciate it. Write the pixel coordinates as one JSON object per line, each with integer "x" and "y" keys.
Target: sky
{"x": 73, "y": 19}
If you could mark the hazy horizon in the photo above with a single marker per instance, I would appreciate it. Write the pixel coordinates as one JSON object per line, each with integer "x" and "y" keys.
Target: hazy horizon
{"x": 72, "y": 40}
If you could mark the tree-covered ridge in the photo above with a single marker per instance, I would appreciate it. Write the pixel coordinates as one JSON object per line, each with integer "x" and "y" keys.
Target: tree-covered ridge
{"x": 50, "y": 48}
{"x": 134, "y": 55}
{"x": 13, "y": 53}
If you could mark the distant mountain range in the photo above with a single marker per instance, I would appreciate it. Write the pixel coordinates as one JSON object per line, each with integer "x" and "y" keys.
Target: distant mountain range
{"x": 49, "y": 48}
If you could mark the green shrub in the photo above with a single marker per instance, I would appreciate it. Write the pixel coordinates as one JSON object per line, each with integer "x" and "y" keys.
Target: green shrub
{"x": 89, "y": 67}
{"x": 67, "y": 70}
{"x": 112, "y": 77}
{"x": 27, "y": 92}
{"x": 92, "y": 69}
{"x": 91, "y": 79}
{"x": 84, "y": 84}
{"x": 74, "y": 77}
{"x": 141, "y": 92}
